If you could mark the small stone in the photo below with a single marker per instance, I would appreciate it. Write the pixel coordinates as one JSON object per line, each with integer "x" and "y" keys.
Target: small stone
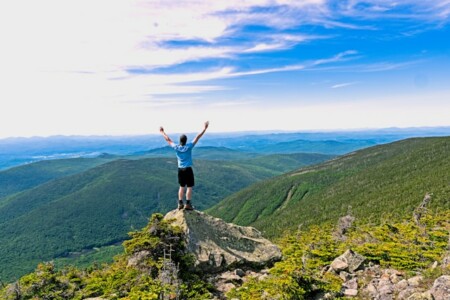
{"x": 239, "y": 272}
{"x": 350, "y": 292}
{"x": 225, "y": 287}
{"x": 351, "y": 284}
{"x": 371, "y": 289}
{"x": 434, "y": 265}
{"x": 421, "y": 296}
{"x": 262, "y": 277}
{"x": 395, "y": 278}
{"x": 401, "y": 285}
{"x": 415, "y": 281}
{"x": 344, "y": 275}
{"x": 446, "y": 262}
{"x": 349, "y": 261}
{"x": 339, "y": 264}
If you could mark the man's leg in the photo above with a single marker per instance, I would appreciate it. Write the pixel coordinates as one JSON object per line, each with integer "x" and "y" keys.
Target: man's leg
{"x": 189, "y": 193}
{"x": 190, "y": 184}
{"x": 188, "y": 199}
{"x": 180, "y": 197}
{"x": 181, "y": 193}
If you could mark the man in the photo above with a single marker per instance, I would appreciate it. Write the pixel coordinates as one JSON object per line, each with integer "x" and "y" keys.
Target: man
{"x": 185, "y": 173}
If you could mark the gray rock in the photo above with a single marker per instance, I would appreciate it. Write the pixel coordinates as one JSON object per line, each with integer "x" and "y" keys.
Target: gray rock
{"x": 446, "y": 262}
{"x": 339, "y": 264}
{"x": 230, "y": 277}
{"x": 405, "y": 293}
{"x": 225, "y": 287}
{"x": 434, "y": 265}
{"x": 349, "y": 261}
{"x": 350, "y": 292}
{"x": 385, "y": 287}
{"x": 345, "y": 276}
{"x": 324, "y": 296}
{"x": 371, "y": 289}
{"x": 421, "y": 296}
{"x": 344, "y": 224}
{"x": 352, "y": 284}
{"x": 441, "y": 288}
{"x": 137, "y": 258}
{"x": 239, "y": 272}
{"x": 218, "y": 245}
{"x": 415, "y": 281}
{"x": 401, "y": 285}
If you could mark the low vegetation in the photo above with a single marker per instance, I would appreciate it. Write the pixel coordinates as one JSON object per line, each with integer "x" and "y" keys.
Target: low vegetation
{"x": 403, "y": 245}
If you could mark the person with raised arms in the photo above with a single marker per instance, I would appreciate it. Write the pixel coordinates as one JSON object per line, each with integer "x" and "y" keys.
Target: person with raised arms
{"x": 185, "y": 173}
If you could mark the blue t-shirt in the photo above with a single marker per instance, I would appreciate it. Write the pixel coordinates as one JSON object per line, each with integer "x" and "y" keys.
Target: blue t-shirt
{"x": 184, "y": 154}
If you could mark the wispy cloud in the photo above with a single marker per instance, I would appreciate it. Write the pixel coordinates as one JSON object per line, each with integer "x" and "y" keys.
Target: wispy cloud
{"x": 429, "y": 10}
{"x": 158, "y": 84}
{"x": 369, "y": 67}
{"x": 341, "y": 85}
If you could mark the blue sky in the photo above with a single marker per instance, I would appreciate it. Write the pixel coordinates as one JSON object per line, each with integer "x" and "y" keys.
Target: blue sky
{"x": 127, "y": 67}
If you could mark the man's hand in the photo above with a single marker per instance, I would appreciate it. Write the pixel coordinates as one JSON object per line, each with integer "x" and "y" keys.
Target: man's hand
{"x": 206, "y": 124}
{"x": 161, "y": 129}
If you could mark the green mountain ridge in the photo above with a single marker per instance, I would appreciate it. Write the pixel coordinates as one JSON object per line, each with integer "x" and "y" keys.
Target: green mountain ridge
{"x": 385, "y": 180}
{"x": 100, "y": 205}
{"x": 30, "y": 175}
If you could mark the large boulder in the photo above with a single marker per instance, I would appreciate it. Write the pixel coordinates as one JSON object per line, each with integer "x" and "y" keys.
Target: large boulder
{"x": 441, "y": 288}
{"x": 218, "y": 246}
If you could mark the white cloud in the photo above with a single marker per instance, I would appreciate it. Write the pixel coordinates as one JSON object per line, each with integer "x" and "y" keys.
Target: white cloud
{"x": 341, "y": 85}
{"x": 66, "y": 61}
{"x": 429, "y": 10}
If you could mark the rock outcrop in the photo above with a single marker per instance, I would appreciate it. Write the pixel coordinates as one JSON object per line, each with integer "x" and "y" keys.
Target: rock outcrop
{"x": 371, "y": 281}
{"x": 219, "y": 246}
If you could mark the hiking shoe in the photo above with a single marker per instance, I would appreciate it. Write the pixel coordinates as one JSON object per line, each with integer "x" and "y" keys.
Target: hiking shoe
{"x": 180, "y": 205}
{"x": 189, "y": 207}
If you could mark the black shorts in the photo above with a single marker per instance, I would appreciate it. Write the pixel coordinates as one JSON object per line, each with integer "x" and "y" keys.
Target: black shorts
{"x": 186, "y": 177}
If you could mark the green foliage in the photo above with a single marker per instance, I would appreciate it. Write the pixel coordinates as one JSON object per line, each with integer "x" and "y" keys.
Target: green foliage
{"x": 119, "y": 280}
{"x": 402, "y": 245}
{"x": 379, "y": 182}
{"x": 87, "y": 258}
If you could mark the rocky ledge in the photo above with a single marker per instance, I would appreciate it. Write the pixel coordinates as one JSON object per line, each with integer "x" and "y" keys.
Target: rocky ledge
{"x": 219, "y": 246}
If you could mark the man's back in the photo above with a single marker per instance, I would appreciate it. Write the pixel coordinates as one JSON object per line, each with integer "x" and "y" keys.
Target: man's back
{"x": 184, "y": 155}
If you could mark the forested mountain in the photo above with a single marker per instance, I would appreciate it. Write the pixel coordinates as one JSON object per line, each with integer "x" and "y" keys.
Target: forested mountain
{"x": 99, "y": 205}
{"x": 30, "y": 175}
{"x": 386, "y": 180}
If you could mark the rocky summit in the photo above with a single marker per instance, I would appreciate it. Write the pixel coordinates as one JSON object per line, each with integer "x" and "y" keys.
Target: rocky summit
{"x": 219, "y": 246}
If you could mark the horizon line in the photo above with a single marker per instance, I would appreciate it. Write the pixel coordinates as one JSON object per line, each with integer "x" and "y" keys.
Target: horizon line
{"x": 266, "y": 131}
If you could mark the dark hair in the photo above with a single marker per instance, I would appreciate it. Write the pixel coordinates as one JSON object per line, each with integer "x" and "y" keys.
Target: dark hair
{"x": 183, "y": 139}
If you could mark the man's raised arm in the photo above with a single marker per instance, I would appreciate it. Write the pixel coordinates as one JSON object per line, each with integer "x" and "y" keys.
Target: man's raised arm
{"x": 201, "y": 133}
{"x": 166, "y": 137}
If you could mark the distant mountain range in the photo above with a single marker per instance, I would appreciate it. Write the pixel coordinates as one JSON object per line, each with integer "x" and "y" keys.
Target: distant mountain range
{"x": 17, "y": 151}
{"x": 382, "y": 181}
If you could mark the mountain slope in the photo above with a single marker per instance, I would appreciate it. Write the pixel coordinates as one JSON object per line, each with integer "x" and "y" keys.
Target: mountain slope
{"x": 325, "y": 147}
{"x": 30, "y": 175}
{"x": 99, "y": 206}
{"x": 377, "y": 181}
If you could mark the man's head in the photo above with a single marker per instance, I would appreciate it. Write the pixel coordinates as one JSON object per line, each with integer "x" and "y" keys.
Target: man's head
{"x": 183, "y": 139}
